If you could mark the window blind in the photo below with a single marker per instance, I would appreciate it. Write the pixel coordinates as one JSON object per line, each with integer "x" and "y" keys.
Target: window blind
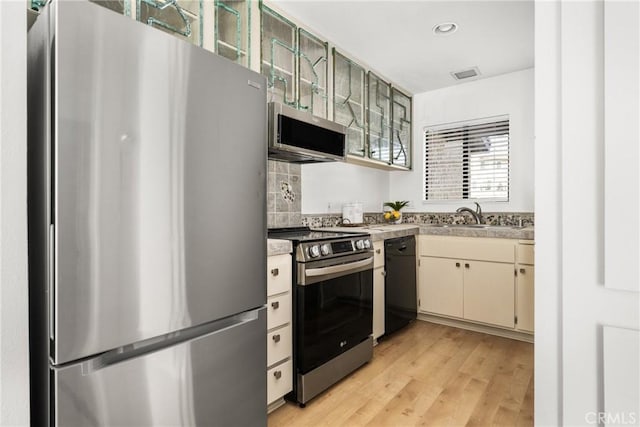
{"x": 467, "y": 160}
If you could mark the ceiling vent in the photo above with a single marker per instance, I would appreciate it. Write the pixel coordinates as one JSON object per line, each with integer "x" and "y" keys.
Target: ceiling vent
{"x": 466, "y": 74}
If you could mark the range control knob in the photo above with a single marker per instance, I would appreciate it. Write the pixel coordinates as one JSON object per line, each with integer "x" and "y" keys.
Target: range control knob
{"x": 325, "y": 249}
{"x": 367, "y": 244}
{"x": 314, "y": 251}
{"x": 359, "y": 245}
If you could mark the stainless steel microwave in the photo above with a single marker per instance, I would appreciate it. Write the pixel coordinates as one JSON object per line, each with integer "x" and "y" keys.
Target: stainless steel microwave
{"x": 298, "y": 137}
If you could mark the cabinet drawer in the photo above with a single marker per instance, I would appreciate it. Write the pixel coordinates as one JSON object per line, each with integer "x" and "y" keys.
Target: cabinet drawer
{"x": 524, "y": 254}
{"x": 278, "y": 310}
{"x": 278, "y": 345}
{"x": 279, "y": 381}
{"x": 278, "y": 274}
{"x": 473, "y": 248}
{"x": 378, "y": 254}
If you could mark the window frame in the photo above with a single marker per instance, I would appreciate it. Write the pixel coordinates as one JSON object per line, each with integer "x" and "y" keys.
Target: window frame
{"x": 466, "y": 190}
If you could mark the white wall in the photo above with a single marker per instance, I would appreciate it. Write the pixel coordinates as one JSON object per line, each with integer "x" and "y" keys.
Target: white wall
{"x": 510, "y": 94}
{"x": 14, "y": 320}
{"x": 326, "y": 186}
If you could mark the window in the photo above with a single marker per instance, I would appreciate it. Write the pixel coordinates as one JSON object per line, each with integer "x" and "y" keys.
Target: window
{"x": 467, "y": 161}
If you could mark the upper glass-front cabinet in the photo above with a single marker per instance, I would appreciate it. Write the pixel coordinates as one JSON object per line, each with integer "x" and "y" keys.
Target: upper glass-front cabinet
{"x": 278, "y": 54}
{"x": 378, "y": 118}
{"x": 295, "y": 64}
{"x": 312, "y": 73}
{"x": 233, "y": 31}
{"x": 120, "y": 6}
{"x": 349, "y": 101}
{"x": 178, "y": 17}
{"x": 401, "y": 128}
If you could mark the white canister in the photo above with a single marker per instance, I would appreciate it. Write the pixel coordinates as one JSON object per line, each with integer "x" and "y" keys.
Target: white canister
{"x": 352, "y": 213}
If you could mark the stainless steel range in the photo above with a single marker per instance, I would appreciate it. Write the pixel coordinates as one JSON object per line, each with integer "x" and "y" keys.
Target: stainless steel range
{"x": 332, "y": 307}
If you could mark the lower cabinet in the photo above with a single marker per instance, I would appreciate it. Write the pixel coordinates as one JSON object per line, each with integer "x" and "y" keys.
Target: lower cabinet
{"x": 473, "y": 290}
{"x": 473, "y": 279}
{"x": 525, "y": 278}
{"x": 378, "y": 289}
{"x": 489, "y": 293}
{"x": 279, "y": 340}
{"x": 440, "y": 286}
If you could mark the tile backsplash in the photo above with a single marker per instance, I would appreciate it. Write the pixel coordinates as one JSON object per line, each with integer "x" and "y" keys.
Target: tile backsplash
{"x": 492, "y": 218}
{"x": 284, "y": 194}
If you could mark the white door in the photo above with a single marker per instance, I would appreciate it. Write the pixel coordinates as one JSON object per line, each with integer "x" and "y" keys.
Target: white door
{"x": 587, "y": 213}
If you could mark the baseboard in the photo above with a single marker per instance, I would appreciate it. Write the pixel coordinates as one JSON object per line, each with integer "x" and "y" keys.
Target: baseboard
{"x": 477, "y": 327}
{"x": 275, "y": 405}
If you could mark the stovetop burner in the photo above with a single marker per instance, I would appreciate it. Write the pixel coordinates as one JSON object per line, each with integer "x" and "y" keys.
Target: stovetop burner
{"x": 306, "y": 234}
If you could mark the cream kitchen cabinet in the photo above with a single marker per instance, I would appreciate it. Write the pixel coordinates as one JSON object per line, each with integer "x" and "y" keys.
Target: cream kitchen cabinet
{"x": 440, "y": 286}
{"x": 279, "y": 340}
{"x": 489, "y": 293}
{"x": 378, "y": 289}
{"x": 525, "y": 286}
{"x": 468, "y": 278}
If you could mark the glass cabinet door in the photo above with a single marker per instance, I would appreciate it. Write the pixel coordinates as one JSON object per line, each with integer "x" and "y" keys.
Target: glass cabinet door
{"x": 348, "y": 101}
{"x": 121, "y": 6}
{"x": 232, "y": 31}
{"x": 178, "y": 17}
{"x": 378, "y": 118}
{"x": 401, "y": 129}
{"x": 278, "y": 55}
{"x": 312, "y": 74}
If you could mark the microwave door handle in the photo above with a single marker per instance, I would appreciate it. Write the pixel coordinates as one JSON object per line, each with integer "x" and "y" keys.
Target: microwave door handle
{"x": 325, "y": 271}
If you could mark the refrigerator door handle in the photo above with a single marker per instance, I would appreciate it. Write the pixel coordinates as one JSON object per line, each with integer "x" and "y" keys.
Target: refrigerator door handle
{"x": 141, "y": 348}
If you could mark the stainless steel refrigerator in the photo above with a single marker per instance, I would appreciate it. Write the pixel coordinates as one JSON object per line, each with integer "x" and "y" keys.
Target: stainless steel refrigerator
{"x": 147, "y": 227}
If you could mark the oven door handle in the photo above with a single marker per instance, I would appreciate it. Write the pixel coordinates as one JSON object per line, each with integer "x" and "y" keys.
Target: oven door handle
{"x": 325, "y": 271}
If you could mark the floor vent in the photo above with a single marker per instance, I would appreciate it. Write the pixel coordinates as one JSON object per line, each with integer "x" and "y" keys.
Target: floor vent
{"x": 466, "y": 74}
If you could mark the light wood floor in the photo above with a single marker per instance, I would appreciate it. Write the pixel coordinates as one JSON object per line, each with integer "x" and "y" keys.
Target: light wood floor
{"x": 430, "y": 375}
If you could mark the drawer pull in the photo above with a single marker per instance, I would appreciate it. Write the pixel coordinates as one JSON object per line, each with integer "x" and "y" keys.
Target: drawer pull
{"x": 275, "y": 305}
{"x": 457, "y": 264}
{"x": 466, "y": 265}
{"x": 277, "y": 374}
{"x": 275, "y": 271}
{"x": 377, "y": 251}
{"x": 276, "y": 338}
{"x": 522, "y": 271}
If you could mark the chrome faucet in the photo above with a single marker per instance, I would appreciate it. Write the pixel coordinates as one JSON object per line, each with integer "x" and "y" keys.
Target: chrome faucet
{"x": 477, "y": 215}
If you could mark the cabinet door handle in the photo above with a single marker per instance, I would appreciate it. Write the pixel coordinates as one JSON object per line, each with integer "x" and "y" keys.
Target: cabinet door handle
{"x": 466, "y": 265}
{"x": 275, "y": 305}
{"x": 275, "y": 271}
{"x": 522, "y": 271}
{"x": 277, "y": 374}
{"x": 377, "y": 251}
{"x": 457, "y": 264}
{"x": 276, "y": 338}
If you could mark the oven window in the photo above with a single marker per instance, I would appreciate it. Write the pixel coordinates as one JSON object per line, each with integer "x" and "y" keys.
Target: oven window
{"x": 332, "y": 317}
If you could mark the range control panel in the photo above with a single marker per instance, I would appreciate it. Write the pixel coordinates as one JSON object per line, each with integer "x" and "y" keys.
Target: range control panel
{"x": 329, "y": 249}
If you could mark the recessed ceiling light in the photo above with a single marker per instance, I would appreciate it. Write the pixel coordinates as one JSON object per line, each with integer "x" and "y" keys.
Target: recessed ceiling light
{"x": 445, "y": 28}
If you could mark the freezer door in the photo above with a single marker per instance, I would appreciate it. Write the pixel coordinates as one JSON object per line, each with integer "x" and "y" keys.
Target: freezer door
{"x": 217, "y": 379}
{"x": 159, "y": 171}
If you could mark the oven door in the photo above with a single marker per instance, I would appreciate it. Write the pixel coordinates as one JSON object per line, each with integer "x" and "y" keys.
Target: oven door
{"x": 334, "y": 308}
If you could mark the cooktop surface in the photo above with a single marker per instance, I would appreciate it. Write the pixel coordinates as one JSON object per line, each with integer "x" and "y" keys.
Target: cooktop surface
{"x": 305, "y": 234}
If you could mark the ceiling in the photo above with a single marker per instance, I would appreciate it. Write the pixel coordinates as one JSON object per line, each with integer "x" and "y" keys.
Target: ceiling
{"x": 395, "y": 38}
